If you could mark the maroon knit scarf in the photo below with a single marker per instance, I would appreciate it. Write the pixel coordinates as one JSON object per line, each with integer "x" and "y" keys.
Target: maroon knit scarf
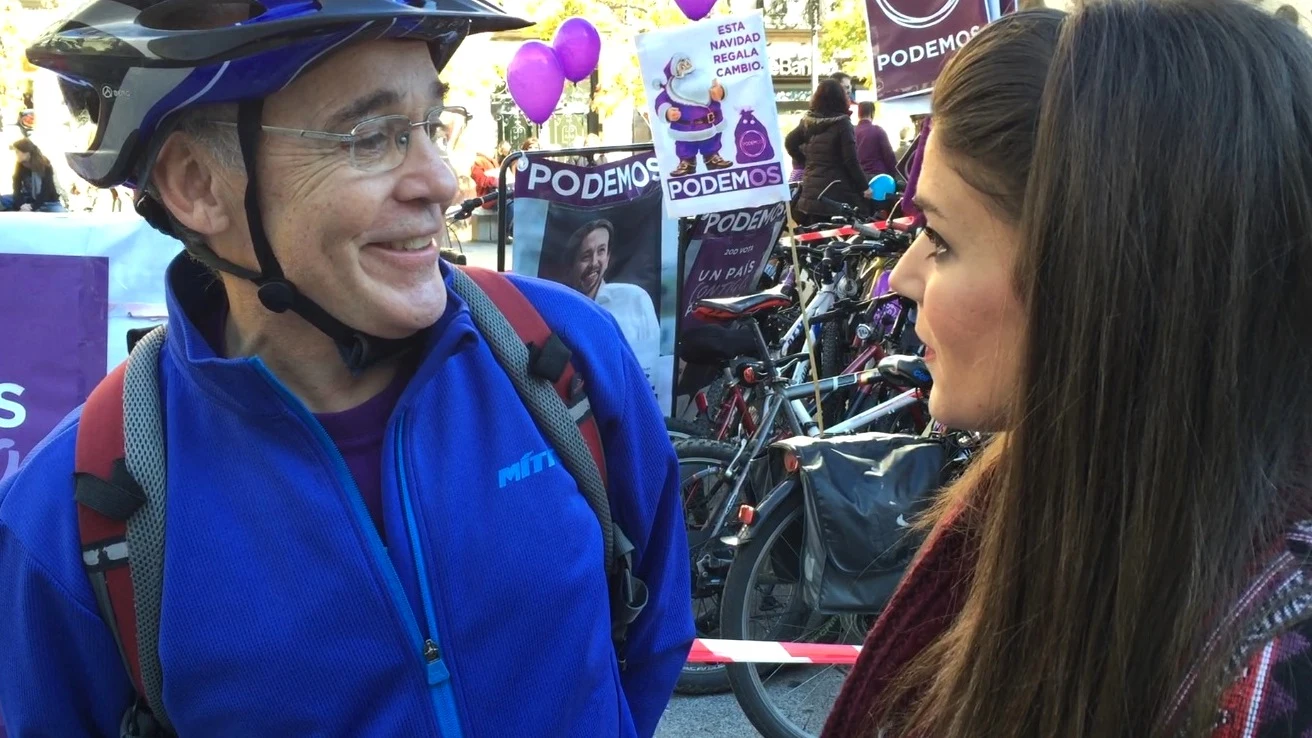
{"x": 935, "y": 587}
{"x": 924, "y": 605}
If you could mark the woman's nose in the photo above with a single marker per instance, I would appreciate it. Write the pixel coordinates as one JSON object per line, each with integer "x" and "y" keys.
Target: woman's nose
{"x": 908, "y": 278}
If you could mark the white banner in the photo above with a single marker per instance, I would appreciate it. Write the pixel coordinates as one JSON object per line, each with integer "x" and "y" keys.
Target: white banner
{"x": 713, "y": 116}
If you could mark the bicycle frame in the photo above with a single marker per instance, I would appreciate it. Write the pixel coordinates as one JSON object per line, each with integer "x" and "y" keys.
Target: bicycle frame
{"x": 831, "y": 290}
{"x": 733, "y": 407}
{"x": 865, "y": 378}
{"x": 801, "y": 422}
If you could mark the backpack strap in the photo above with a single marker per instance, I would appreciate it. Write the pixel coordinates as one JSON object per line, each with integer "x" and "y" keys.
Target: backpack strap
{"x": 541, "y": 367}
{"x": 125, "y": 568}
{"x": 548, "y": 356}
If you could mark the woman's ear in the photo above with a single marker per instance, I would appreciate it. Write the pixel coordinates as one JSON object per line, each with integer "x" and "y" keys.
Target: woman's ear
{"x": 189, "y": 183}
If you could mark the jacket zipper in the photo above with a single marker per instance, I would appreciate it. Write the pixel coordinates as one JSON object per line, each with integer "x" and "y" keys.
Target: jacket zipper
{"x": 425, "y": 648}
{"x": 439, "y": 677}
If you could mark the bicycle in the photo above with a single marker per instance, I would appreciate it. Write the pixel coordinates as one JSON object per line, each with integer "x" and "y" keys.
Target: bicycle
{"x": 764, "y": 600}
{"x": 842, "y": 275}
{"x": 718, "y": 483}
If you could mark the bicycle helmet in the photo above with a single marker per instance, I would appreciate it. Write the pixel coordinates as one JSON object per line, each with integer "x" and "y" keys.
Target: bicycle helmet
{"x": 128, "y": 65}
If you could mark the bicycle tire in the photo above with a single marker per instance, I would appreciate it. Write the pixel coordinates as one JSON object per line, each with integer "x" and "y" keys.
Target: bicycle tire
{"x": 679, "y": 429}
{"x": 701, "y": 679}
{"x": 744, "y": 679}
{"x": 833, "y": 357}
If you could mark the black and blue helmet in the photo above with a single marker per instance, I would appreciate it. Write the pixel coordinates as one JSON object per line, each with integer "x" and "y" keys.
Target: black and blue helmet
{"x": 127, "y": 65}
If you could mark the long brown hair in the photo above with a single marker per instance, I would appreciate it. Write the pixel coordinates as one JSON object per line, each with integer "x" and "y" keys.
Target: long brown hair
{"x": 829, "y": 99}
{"x": 38, "y": 163}
{"x": 1158, "y": 157}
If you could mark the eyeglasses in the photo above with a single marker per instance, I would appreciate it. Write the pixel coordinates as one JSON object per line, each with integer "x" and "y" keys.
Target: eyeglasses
{"x": 380, "y": 144}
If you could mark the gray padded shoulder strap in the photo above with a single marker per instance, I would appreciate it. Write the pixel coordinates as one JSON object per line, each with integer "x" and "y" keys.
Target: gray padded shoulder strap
{"x": 143, "y": 437}
{"x": 546, "y": 407}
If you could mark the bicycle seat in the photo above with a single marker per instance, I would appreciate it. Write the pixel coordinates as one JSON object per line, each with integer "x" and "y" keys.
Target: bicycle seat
{"x": 906, "y": 371}
{"x": 733, "y": 308}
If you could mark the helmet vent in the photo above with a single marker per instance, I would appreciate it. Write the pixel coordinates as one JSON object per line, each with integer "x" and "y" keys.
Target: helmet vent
{"x": 199, "y": 15}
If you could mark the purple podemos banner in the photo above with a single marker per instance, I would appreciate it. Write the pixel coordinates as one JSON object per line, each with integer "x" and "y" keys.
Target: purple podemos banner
{"x": 54, "y": 314}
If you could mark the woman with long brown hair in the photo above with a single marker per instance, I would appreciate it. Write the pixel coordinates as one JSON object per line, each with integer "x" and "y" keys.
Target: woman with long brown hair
{"x": 1116, "y": 279}
{"x": 35, "y": 188}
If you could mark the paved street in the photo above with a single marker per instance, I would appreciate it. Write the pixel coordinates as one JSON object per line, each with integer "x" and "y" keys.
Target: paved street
{"x": 708, "y": 716}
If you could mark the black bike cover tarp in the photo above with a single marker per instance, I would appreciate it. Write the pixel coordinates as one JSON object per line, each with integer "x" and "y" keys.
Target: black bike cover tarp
{"x": 860, "y": 493}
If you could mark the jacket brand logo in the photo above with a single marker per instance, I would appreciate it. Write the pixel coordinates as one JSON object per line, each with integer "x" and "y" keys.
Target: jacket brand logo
{"x": 532, "y": 463}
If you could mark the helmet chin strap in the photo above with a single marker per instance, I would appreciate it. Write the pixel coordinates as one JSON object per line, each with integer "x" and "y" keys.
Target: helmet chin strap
{"x": 359, "y": 350}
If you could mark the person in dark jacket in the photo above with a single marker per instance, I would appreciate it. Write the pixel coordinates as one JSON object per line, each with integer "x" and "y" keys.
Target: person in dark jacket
{"x": 824, "y": 143}
{"x": 34, "y": 182}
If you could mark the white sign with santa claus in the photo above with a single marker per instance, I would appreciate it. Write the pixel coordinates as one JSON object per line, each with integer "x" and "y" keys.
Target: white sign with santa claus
{"x": 713, "y": 116}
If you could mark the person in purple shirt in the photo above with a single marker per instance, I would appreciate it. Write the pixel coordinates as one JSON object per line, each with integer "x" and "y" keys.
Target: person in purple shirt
{"x": 873, "y": 150}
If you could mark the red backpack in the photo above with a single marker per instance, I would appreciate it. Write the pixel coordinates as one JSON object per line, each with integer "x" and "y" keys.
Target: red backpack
{"x": 120, "y": 487}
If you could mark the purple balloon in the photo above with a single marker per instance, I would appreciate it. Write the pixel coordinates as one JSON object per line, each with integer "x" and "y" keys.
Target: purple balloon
{"x": 695, "y": 9}
{"x": 578, "y": 46}
{"x": 535, "y": 80}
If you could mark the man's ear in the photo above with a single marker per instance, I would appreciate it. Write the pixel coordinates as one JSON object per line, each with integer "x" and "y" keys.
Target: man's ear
{"x": 189, "y": 183}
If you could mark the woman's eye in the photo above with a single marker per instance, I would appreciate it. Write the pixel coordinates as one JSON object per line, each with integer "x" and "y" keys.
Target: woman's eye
{"x": 940, "y": 246}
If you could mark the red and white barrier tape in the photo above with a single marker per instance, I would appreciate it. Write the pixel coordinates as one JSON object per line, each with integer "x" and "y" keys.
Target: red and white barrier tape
{"x": 898, "y": 224}
{"x": 717, "y": 651}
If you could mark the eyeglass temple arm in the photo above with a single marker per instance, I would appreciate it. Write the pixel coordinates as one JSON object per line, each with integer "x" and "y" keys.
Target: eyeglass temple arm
{"x": 297, "y": 132}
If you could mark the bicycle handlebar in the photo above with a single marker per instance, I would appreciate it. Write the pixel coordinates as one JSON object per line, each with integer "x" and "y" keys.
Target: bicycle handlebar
{"x": 467, "y": 208}
{"x": 881, "y": 245}
{"x": 844, "y": 207}
{"x": 867, "y": 231}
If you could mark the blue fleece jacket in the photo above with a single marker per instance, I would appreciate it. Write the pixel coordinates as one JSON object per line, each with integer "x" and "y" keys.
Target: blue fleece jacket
{"x": 284, "y": 615}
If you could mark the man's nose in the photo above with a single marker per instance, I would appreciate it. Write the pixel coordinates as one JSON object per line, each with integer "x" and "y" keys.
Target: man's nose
{"x": 428, "y": 174}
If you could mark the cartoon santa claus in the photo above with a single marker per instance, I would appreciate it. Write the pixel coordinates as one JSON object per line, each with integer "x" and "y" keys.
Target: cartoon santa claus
{"x": 690, "y": 102}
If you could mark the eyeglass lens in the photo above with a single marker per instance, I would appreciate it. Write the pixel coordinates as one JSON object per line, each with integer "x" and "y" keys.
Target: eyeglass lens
{"x": 381, "y": 144}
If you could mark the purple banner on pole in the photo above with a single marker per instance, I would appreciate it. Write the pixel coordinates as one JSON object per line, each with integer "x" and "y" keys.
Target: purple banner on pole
{"x": 56, "y": 316}
{"x": 911, "y": 39}
{"x": 728, "y": 251}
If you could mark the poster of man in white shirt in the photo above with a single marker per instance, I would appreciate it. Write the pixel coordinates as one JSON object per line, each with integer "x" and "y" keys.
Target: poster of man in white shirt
{"x": 602, "y": 231}
{"x": 588, "y": 254}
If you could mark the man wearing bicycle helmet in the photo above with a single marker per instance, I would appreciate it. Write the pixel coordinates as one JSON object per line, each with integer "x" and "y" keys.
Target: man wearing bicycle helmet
{"x": 346, "y": 550}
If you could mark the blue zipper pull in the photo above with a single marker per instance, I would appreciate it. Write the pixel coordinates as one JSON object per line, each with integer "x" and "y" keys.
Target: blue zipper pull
{"x": 437, "y": 672}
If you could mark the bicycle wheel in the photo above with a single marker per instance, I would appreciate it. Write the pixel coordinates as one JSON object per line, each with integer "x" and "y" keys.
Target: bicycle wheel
{"x": 679, "y": 429}
{"x": 834, "y": 354}
{"x": 763, "y": 601}
{"x": 701, "y": 472}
